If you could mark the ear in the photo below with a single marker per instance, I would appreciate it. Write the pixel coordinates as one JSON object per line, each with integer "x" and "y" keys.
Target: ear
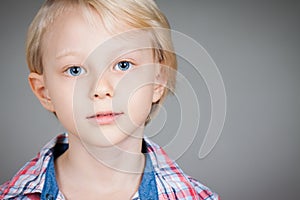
{"x": 159, "y": 85}
{"x": 37, "y": 84}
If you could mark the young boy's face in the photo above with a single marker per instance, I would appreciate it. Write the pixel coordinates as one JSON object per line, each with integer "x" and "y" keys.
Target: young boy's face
{"x": 100, "y": 87}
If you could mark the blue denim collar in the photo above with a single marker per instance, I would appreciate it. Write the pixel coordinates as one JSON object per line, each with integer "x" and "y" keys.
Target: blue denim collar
{"x": 148, "y": 188}
{"x": 50, "y": 189}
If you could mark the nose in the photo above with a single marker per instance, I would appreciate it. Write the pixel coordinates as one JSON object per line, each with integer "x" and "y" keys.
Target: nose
{"x": 103, "y": 89}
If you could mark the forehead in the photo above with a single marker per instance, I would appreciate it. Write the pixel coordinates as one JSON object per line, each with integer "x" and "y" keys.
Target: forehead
{"x": 73, "y": 30}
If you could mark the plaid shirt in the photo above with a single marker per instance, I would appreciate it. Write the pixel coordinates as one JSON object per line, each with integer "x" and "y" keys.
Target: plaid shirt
{"x": 166, "y": 179}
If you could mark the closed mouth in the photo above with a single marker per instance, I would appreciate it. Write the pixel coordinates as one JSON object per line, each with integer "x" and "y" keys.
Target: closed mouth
{"x": 105, "y": 114}
{"x": 104, "y": 118}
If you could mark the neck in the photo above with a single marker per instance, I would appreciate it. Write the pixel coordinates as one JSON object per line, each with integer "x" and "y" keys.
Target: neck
{"x": 108, "y": 167}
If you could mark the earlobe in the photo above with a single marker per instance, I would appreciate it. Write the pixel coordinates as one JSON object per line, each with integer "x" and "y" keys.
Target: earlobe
{"x": 37, "y": 84}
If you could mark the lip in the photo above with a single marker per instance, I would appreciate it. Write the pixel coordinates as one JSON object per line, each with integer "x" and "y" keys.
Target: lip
{"x": 104, "y": 118}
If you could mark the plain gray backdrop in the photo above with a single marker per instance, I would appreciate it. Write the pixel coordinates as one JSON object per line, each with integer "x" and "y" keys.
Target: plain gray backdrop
{"x": 255, "y": 45}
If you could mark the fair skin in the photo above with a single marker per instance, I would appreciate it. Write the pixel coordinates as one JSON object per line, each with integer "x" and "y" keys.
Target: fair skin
{"x": 101, "y": 88}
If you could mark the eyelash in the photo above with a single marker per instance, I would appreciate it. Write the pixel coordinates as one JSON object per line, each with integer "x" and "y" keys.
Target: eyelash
{"x": 69, "y": 71}
{"x": 129, "y": 65}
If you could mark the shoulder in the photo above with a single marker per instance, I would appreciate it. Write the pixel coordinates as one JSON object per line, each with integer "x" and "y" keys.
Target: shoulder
{"x": 172, "y": 182}
{"x": 26, "y": 180}
{"x": 29, "y": 180}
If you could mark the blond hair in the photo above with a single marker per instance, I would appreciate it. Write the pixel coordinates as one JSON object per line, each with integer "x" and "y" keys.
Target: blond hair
{"x": 138, "y": 14}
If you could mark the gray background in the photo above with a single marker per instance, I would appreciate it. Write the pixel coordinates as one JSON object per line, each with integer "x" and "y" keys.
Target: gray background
{"x": 255, "y": 44}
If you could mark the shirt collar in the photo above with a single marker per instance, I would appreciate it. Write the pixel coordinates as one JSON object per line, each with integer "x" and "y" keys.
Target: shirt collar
{"x": 147, "y": 188}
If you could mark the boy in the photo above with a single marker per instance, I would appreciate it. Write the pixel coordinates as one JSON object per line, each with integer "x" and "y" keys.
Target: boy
{"x": 101, "y": 67}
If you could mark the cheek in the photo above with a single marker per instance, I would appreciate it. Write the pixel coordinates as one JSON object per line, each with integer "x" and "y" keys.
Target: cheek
{"x": 62, "y": 99}
{"x": 61, "y": 95}
{"x": 139, "y": 105}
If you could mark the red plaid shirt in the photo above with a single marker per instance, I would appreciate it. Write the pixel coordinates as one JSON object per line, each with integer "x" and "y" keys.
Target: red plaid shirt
{"x": 170, "y": 180}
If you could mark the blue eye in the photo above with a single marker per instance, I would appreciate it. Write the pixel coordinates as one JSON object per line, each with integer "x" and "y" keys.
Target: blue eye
{"x": 123, "y": 66}
{"x": 75, "y": 71}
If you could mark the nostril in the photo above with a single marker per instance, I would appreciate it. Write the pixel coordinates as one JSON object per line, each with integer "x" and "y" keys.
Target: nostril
{"x": 101, "y": 94}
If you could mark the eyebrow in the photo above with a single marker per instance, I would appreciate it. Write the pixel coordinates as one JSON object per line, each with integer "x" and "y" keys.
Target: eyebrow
{"x": 67, "y": 52}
